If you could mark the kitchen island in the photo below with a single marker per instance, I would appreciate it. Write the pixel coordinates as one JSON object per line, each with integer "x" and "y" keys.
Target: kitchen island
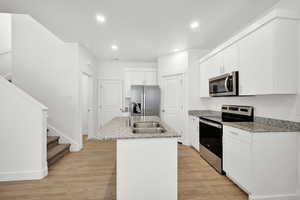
{"x": 146, "y": 161}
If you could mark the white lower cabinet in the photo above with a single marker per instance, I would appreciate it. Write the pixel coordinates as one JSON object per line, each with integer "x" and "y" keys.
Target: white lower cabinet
{"x": 263, "y": 164}
{"x": 194, "y": 132}
{"x": 236, "y": 160}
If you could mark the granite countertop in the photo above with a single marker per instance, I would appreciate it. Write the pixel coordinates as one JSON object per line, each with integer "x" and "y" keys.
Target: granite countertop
{"x": 206, "y": 113}
{"x": 260, "y": 124}
{"x": 256, "y": 127}
{"x": 118, "y": 128}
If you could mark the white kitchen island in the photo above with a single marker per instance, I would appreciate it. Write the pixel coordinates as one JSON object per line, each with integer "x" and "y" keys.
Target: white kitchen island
{"x": 146, "y": 162}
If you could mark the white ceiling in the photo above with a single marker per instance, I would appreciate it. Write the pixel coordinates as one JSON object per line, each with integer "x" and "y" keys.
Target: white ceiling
{"x": 143, "y": 29}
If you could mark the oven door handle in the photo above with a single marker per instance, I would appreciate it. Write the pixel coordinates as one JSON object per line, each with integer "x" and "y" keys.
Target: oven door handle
{"x": 210, "y": 123}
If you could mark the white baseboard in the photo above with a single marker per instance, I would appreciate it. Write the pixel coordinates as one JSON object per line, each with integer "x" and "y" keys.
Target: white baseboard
{"x": 75, "y": 146}
{"x": 275, "y": 197}
{"x": 24, "y": 175}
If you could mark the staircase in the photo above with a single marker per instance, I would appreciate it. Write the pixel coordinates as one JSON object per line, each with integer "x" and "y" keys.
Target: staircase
{"x": 55, "y": 151}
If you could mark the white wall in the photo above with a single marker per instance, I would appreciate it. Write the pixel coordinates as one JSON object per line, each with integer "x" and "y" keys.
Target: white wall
{"x": 5, "y": 44}
{"x": 184, "y": 62}
{"x": 115, "y": 69}
{"x": 88, "y": 65}
{"x": 23, "y": 140}
{"x": 47, "y": 68}
{"x": 175, "y": 63}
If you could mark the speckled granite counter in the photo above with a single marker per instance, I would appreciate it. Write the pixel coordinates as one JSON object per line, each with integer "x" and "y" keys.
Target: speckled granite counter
{"x": 118, "y": 128}
{"x": 259, "y": 125}
{"x": 201, "y": 113}
{"x": 255, "y": 127}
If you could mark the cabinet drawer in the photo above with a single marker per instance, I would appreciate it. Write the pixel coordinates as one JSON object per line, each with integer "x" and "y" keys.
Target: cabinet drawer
{"x": 237, "y": 134}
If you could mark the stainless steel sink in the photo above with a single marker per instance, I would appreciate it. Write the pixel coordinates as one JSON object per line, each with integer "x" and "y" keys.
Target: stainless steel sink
{"x": 156, "y": 130}
{"x": 149, "y": 124}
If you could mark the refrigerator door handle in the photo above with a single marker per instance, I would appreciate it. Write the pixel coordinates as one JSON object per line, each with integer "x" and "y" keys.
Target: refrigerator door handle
{"x": 145, "y": 104}
{"x": 142, "y": 104}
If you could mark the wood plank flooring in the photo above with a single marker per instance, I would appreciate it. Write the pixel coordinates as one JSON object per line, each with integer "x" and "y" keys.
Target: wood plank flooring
{"x": 91, "y": 173}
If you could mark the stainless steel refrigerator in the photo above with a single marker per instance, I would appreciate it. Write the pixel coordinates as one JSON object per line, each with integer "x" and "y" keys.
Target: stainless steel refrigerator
{"x": 145, "y": 100}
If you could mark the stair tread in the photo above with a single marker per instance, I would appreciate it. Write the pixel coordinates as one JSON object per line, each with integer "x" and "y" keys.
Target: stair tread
{"x": 57, "y": 150}
{"x": 51, "y": 139}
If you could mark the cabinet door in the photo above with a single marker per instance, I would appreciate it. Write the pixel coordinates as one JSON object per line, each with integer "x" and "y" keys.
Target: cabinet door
{"x": 137, "y": 78}
{"x": 150, "y": 77}
{"x": 256, "y": 62}
{"x": 196, "y": 133}
{"x": 226, "y": 155}
{"x": 204, "y": 84}
{"x": 217, "y": 65}
{"x": 231, "y": 59}
{"x": 240, "y": 163}
{"x": 236, "y": 158}
{"x": 191, "y": 130}
{"x": 127, "y": 83}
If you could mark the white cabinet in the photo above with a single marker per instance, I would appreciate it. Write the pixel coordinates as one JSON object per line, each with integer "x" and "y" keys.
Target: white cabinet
{"x": 224, "y": 62}
{"x": 231, "y": 59}
{"x": 268, "y": 61}
{"x": 265, "y": 54}
{"x": 150, "y": 77}
{"x": 194, "y": 131}
{"x": 254, "y": 160}
{"x": 236, "y": 156}
{"x": 204, "y": 80}
{"x": 218, "y": 65}
{"x": 137, "y": 76}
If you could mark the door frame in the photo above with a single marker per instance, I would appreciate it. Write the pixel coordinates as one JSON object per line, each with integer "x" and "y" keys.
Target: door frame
{"x": 91, "y": 121}
{"x": 183, "y": 77}
{"x": 99, "y": 99}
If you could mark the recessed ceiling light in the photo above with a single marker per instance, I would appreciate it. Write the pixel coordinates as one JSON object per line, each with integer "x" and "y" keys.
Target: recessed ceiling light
{"x": 114, "y": 47}
{"x": 101, "y": 19}
{"x": 194, "y": 25}
{"x": 175, "y": 50}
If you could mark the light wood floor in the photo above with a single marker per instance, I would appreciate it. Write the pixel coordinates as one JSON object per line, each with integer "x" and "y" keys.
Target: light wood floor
{"x": 90, "y": 174}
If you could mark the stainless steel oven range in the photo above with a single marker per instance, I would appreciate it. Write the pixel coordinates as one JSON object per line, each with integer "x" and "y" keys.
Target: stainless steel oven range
{"x": 211, "y": 132}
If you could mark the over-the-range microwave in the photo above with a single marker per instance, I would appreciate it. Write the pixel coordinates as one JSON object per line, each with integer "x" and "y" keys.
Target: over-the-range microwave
{"x": 224, "y": 85}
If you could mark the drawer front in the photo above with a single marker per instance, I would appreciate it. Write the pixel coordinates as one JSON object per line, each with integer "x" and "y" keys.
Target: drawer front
{"x": 237, "y": 134}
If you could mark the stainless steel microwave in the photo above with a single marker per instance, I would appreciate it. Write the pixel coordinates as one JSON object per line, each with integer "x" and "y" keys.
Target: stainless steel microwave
{"x": 224, "y": 85}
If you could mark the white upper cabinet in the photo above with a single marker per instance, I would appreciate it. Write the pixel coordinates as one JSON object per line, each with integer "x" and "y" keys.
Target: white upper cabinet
{"x": 217, "y": 65}
{"x": 136, "y": 77}
{"x": 268, "y": 59}
{"x": 265, "y": 54}
{"x": 231, "y": 59}
{"x": 256, "y": 66}
{"x": 206, "y": 72}
{"x": 139, "y": 76}
{"x": 150, "y": 77}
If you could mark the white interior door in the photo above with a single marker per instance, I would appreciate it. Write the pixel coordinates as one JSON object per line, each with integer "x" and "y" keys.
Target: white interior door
{"x": 110, "y": 104}
{"x": 173, "y": 94}
{"x": 87, "y": 104}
